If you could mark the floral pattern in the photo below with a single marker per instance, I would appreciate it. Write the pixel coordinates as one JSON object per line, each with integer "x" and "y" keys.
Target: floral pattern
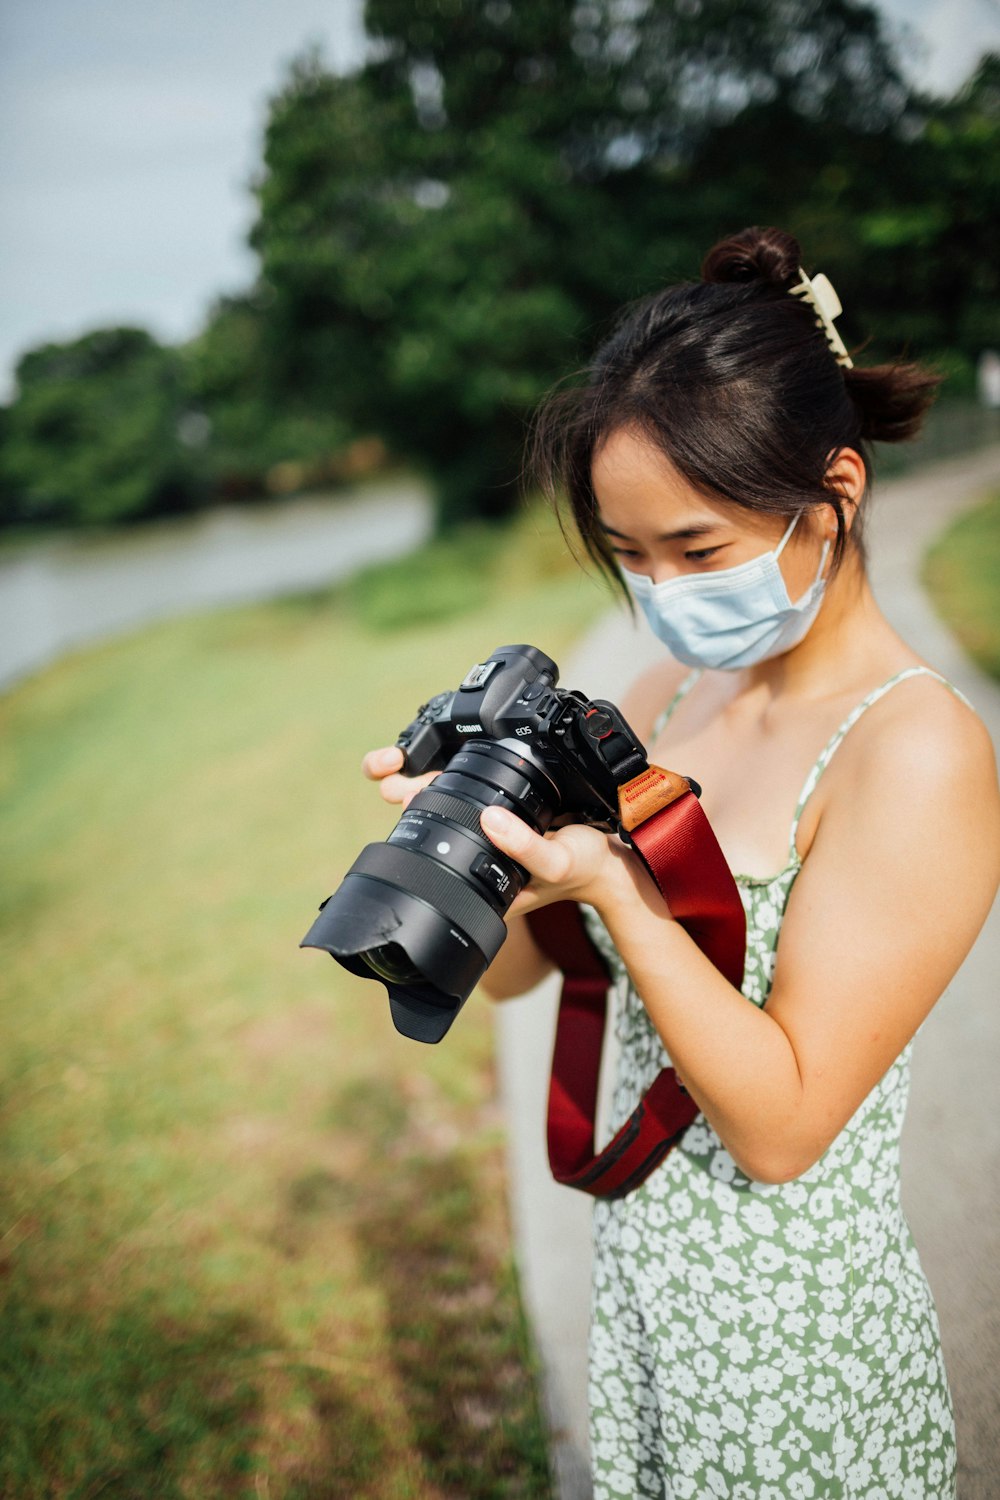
{"x": 754, "y": 1341}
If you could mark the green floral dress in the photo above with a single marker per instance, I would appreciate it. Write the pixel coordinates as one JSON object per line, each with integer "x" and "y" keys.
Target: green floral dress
{"x": 757, "y": 1341}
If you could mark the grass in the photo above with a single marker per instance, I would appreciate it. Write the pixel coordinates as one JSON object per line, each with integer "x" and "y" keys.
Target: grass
{"x": 254, "y": 1243}
{"x": 962, "y": 575}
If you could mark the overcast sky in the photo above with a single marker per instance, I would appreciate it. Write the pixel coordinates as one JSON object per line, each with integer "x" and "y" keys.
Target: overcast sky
{"x": 131, "y": 129}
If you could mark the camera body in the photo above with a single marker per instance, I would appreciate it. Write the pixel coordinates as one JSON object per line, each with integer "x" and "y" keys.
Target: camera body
{"x": 423, "y": 911}
{"x": 584, "y": 747}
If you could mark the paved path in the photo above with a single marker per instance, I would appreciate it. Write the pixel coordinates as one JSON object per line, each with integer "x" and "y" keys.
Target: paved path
{"x": 951, "y": 1144}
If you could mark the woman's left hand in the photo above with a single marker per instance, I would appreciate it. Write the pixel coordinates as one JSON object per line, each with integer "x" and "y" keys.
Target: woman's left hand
{"x": 574, "y": 863}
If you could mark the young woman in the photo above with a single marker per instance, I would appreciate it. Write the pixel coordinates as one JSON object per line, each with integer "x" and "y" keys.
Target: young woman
{"x": 762, "y": 1328}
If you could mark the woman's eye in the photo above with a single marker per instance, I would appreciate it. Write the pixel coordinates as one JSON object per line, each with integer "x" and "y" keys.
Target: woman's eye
{"x": 701, "y": 554}
{"x": 625, "y": 552}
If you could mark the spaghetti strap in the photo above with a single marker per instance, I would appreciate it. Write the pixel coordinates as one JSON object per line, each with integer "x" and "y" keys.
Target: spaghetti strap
{"x": 663, "y": 718}
{"x": 837, "y": 738}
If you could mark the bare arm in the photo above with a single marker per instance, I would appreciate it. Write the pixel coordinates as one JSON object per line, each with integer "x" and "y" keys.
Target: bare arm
{"x": 896, "y": 886}
{"x": 519, "y": 965}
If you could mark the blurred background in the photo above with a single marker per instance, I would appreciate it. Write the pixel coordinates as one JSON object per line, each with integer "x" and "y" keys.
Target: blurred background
{"x": 281, "y": 287}
{"x": 280, "y": 247}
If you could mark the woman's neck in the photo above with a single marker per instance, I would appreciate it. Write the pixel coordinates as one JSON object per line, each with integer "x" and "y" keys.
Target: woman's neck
{"x": 849, "y": 641}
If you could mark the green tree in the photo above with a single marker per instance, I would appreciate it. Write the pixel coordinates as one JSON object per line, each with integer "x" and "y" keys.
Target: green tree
{"x": 446, "y": 232}
{"x": 439, "y": 231}
{"x": 94, "y": 433}
{"x": 248, "y": 421}
{"x": 933, "y": 249}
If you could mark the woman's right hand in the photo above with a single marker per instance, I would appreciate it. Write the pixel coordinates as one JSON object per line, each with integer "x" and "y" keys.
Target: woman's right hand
{"x": 384, "y": 766}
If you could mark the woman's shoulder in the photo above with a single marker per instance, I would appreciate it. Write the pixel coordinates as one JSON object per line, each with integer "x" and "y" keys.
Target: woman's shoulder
{"x": 912, "y": 789}
{"x": 920, "y": 714}
{"x": 914, "y": 736}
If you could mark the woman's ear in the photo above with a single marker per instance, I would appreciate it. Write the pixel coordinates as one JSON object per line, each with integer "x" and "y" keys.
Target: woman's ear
{"x": 847, "y": 476}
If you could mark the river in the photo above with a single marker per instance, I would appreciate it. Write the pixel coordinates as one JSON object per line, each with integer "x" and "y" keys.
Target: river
{"x": 71, "y": 590}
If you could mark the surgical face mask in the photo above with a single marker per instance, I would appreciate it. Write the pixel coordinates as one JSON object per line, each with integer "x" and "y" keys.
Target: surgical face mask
{"x": 734, "y": 618}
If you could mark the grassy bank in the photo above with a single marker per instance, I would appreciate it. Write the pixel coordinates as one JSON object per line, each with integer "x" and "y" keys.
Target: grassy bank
{"x": 253, "y": 1242}
{"x": 962, "y": 575}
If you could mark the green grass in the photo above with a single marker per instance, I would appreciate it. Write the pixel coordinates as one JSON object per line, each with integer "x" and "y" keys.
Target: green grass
{"x": 253, "y": 1242}
{"x": 962, "y": 575}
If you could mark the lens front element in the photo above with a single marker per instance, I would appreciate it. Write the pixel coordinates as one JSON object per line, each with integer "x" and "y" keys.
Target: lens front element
{"x": 392, "y": 963}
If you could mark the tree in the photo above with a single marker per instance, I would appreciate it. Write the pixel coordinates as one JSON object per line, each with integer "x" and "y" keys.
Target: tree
{"x": 93, "y": 433}
{"x": 438, "y": 231}
{"x": 446, "y": 232}
{"x": 935, "y": 247}
{"x": 251, "y": 423}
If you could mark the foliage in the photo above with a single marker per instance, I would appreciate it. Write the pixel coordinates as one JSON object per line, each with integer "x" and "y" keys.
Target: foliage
{"x": 930, "y": 251}
{"x": 95, "y": 434}
{"x": 250, "y": 425}
{"x": 253, "y": 1242}
{"x": 962, "y": 576}
{"x": 438, "y": 231}
{"x": 446, "y": 232}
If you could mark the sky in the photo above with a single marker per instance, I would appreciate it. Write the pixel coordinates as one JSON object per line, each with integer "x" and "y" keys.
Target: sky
{"x": 132, "y": 130}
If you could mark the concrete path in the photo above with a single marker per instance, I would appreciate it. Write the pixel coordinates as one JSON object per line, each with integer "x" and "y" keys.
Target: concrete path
{"x": 951, "y": 1144}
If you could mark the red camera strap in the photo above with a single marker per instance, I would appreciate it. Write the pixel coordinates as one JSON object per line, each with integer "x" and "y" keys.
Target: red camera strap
{"x": 678, "y": 847}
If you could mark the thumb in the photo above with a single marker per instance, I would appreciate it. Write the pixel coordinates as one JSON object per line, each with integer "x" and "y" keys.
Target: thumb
{"x": 509, "y": 833}
{"x": 546, "y": 859}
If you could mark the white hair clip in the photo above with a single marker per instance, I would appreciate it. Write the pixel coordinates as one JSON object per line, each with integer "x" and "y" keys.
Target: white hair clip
{"x": 826, "y": 304}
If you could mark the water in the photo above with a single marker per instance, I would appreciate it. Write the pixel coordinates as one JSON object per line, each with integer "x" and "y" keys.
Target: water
{"x": 70, "y": 591}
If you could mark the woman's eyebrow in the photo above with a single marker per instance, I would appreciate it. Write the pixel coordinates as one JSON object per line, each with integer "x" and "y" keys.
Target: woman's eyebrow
{"x": 697, "y": 528}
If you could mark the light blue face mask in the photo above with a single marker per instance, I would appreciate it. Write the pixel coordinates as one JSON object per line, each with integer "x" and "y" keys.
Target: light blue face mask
{"x": 734, "y": 618}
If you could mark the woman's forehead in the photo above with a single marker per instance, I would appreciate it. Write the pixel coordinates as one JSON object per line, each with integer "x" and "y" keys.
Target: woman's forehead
{"x": 638, "y": 488}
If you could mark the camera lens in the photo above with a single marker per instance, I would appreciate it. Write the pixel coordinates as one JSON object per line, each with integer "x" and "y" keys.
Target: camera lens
{"x": 423, "y": 911}
{"x": 390, "y": 962}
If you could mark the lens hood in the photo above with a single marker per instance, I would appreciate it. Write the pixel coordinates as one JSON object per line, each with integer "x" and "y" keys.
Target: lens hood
{"x": 449, "y": 949}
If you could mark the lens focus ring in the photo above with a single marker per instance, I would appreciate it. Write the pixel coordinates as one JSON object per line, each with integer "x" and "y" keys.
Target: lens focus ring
{"x": 464, "y": 813}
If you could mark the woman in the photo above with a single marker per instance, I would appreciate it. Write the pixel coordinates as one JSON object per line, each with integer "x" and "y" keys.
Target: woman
{"x": 761, "y": 1326}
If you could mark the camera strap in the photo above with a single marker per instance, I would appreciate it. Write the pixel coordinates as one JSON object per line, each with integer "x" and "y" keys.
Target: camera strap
{"x": 666, "y": 825}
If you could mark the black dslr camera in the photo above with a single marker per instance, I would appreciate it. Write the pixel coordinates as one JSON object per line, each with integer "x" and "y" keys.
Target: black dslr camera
{"x": 423, "y": 911}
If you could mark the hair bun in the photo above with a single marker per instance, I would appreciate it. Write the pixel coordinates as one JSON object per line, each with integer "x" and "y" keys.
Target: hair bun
{"x": 754, "y": 255}
{"x": 892, "y": 400}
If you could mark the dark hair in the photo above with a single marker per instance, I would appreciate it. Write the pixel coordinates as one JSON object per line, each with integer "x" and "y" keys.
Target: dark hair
{"x": 734, "y": 381}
